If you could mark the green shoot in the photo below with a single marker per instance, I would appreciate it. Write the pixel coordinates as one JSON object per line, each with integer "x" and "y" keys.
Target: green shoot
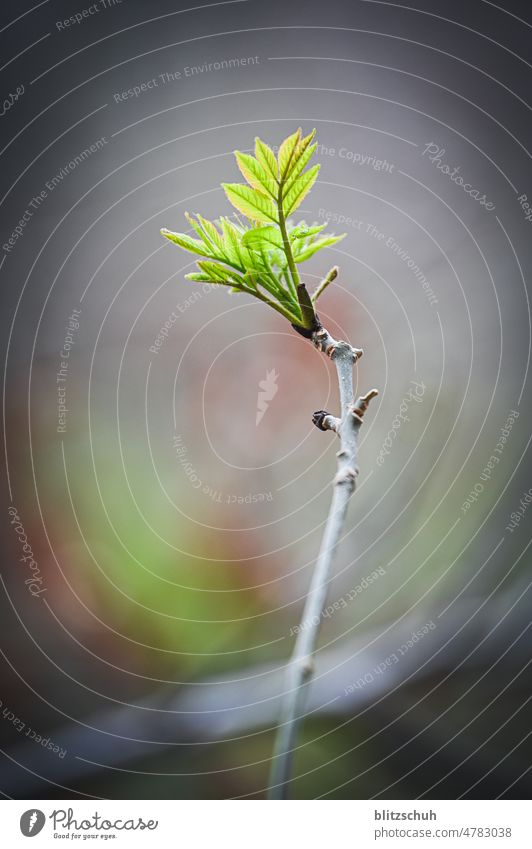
{"x": 260, "y": 255}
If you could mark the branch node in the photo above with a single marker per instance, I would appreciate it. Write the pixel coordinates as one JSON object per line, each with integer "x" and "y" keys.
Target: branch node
{"x": 309, "y": 318}
{"x": 308, "y": 333}
{"x": 320, "y": 338}
{"x": 307, "y": 668}
{"x": 343, "y": 348}
{"x": 325, "y": 421}
{"x": 362, "y": 403}
{"x": 347, "y": 476}
{"x": 318, "y": 417}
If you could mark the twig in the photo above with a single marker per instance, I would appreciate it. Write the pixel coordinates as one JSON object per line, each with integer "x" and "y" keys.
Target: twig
{"x": 329, "y": 277}
{"x": 301, "y": 665}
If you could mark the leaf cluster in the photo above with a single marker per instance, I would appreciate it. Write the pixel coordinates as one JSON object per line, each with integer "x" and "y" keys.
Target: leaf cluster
{"x": 258, "y": 250}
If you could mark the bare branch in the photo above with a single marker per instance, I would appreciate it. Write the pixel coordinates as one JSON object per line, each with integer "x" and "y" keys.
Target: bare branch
{"x": 301, "y": 666}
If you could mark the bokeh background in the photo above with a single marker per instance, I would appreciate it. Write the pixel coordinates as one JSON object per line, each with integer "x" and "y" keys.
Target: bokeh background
{"x": 169, "y": 537}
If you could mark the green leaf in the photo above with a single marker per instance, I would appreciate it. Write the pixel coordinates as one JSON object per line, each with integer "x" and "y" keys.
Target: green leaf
{"x": 219, "y": 274}
{"x": 301, "y": 162}
{"x": 303, "y": 231}
{"x": 309, "y": 250}
{"x": 272, "y": 258}
{"x": 184, "y": 241}
{"x": 206, "y": 278}
{"x": 255, "y": 206}
{"x": 251, "y": 278}
{"x": 258, "y": 254}
{"x": 199, "y": 278}
{"x": 201, "y": 233}
{"x": 231, "y": 241}
{"x": 266, "y": 157}
{"x": 212, "y": 235}
{"x": 257, "y": 236}
{"x": 285, "y": 157}
{"x": 304, "y": 143}
{"x": 254, "y": 173}
{"x": 300, "y": 189}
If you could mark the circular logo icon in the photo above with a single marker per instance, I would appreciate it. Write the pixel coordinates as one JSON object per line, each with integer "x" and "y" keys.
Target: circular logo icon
{"x": 32, "y": 822}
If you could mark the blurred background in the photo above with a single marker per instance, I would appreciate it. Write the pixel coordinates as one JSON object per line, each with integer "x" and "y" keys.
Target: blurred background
{"x": 158, "y": 534}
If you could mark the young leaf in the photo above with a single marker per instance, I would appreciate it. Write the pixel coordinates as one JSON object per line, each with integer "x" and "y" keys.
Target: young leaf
{"x": 301, "y": 162}
{"x": 198, "y": 277}
{"x": 201, "y": 233}
{"x": 232, "y": 243}
{"x": 254, "y": 173}
{"x": 219, "y": 274}
{"x": 212, "y": 234}
{"x": 303, "y": 231}
{"x": 206, "y": 278}
{"x": 304, "y": 143}
{"x": 214, "y": 270}
{"x": 309, "y": 250}
{"x": 255, "y": 206}
{"x": 214, "y": 244}
{"x": 257, "y": 236}
{"x": 287, "y": 150}
{"x": 270, "y": 259}
{"x": 301, "y": 187}
{"x": 266, "y": 157}
{"x": 259, "y": 256}
{"x": 251, "y": 279}
{"x": 184, "y": 241}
